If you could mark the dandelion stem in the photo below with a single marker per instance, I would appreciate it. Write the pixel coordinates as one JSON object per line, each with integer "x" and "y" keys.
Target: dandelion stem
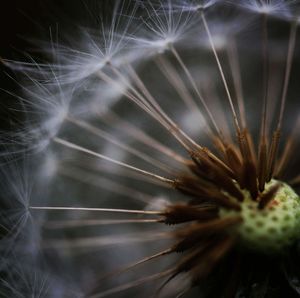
{"x": 291, "y": 48}
{"x": 142, "y": 137}
{"x": 98, "y": 155}
{"x": 277, "y": 132}
{"x": 295, "y": 181}
{"x": 263, "y": 142}
{"x": 265, "y": 74}
{"x": 232, "y": 53}
{"x": 102, "y": 134}
{"x": 221, "y": 72}
{"x": 135, "y": 264}
{"x": 132, "y": 284}
{"x": 159, "y": 110}
{"x": 104, "y": 168}
{"x": 158, "y": 115}
{"x": 104, "y": 183}
{"x": 60, "y": 208}
{"x": 288, "y": 149}
{"x": 177, "y": 83}
{"x": 196, "y": 89}
{"x": 62, "y": 224}
{"x": 98, "y": 242}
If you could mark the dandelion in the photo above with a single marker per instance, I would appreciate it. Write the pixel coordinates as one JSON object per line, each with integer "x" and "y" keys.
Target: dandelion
{"x": 168, "y": 145}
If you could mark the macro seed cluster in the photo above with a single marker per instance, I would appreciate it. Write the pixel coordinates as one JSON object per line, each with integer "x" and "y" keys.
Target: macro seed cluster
{"x": 273, "y": 228}
{"x": 161, "y": 148}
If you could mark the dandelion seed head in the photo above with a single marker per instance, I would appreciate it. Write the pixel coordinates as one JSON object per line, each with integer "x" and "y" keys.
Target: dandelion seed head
{"x": 167, "y": 148}
{"x": 21, "y": 232}
{"x": 191, "y": 5}
{"x": 277, "y": 8}
{"x": 275, "y": 227}
{"x": 163, "y": 26}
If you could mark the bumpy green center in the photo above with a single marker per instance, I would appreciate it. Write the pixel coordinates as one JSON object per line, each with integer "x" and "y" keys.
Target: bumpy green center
{"x": 272, "y": 228}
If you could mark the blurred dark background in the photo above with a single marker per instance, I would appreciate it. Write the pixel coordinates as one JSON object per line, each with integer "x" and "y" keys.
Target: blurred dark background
{"x": 20, "y": 21}
{"x": 23, "y": 24}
